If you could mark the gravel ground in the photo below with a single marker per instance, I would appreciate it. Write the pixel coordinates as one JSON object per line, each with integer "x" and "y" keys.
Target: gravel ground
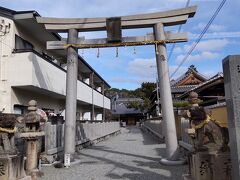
{"x": 132, "y": 155}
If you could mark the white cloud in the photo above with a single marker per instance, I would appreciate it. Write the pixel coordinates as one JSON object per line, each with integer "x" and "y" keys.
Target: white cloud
{"x": 207, "y": 45}
{"x": 124, "y": 80}
{"x": 180, "y": 71}
{"x": 216, "y": 35}
{"x": 203, "y": 56}
{"x": 213, "y": 27}
{"x": 178, "y": 50}
{"x": 143, "y": 68}
{"x": 209, "y": 73}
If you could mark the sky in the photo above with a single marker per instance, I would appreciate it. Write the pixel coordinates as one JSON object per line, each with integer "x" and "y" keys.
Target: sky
{"x": 136, "y": 65}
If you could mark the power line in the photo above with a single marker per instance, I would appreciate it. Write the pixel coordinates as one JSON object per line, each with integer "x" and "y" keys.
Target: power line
{"x": 200, "y": 37}
{"x": 179, "y": 29}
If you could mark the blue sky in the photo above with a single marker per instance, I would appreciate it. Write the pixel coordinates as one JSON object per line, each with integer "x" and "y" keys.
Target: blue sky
{"x": 129, "y": 70}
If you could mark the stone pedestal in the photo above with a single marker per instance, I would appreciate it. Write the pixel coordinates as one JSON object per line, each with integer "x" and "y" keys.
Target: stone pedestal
{"x": 12, "y": 168}
{"x": 210, "y": 166}
{"x": 32, "y": 140}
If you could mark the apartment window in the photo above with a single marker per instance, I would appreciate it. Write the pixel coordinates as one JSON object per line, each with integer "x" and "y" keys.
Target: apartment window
{"x": 20, "y": 43}
{"x": 19, "y": 109}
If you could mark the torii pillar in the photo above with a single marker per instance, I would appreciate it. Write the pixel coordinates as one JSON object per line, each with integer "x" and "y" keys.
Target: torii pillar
{"x": 71, "y": 98}
{"x": 166, "y": 96}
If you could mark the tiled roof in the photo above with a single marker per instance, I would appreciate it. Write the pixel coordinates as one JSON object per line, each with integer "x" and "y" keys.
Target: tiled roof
{"x": 122, "y": 109}
{"x": 182, "y": 89}
{"x": 121, "y": 106}
{"x": 191, "y": 69}
{"x": 212, "y": 79}
{"x": 128, "y": 99}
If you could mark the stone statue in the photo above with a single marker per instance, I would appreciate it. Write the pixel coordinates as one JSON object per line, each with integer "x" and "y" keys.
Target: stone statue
{"x": 207, "y": 134}
{"x": 7, "y": 130}
{"x": 210, "y": 159}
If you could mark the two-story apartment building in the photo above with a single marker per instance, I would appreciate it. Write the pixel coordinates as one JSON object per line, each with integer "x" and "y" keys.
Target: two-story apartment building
{"x": 29, "y": 71}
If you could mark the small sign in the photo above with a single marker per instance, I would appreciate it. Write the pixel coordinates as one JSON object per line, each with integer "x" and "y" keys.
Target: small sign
{"x": 67, "y": 160}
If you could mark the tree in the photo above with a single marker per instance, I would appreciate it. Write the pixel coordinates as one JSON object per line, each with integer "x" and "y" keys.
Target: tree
{"x": 144, "y": 92}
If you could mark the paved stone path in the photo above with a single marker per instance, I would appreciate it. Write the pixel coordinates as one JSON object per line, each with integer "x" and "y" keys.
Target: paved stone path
{"x": 132, "y": 155}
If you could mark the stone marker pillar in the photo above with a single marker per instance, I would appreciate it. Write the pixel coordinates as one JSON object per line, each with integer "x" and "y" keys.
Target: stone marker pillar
{"x": 231, "y": 70}
{"x": 71, "y": 97}
{"x": 165, "y": 93}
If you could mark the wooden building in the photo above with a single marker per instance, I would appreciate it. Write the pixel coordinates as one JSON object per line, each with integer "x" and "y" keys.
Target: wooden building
{"x": 189, "y": 80}
{"x": 121, "y": 112}
{"x": 210, "y": 92}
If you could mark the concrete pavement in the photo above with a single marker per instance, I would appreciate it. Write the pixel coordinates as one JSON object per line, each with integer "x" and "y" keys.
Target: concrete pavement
{"x": 132, "y": 155}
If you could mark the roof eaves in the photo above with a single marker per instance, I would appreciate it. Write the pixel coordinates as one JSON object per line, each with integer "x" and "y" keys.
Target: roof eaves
{"x": 214, "y": 78}
{"x": 85, "y": 62}
{"x": 7, "y": 12}
{"x": 11, "y": 14}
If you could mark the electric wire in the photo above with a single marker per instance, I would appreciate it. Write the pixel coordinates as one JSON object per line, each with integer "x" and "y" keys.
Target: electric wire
{"x": 199, "y": 37}
{"x": 179, "y": 29}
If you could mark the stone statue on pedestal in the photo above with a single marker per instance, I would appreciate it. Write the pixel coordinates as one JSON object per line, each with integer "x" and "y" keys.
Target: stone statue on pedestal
{"x": 210, "y": 159}
{"x": 206, "y": 134}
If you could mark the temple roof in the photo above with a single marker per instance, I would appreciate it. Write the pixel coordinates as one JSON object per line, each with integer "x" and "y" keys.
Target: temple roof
{"x": 191, "y": 77}
{"x": 182, "y": 89}
{"x": 122, "y": 106}
{"x": 204, "y": 85}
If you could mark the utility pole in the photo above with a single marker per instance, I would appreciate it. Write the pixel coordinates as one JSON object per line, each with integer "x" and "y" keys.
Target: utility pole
{"x": 157, "y": 91}
{"x": 158, "y": 104}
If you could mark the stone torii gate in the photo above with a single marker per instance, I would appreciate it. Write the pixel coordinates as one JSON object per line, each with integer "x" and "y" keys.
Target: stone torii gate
{"x": 114, "y": 27}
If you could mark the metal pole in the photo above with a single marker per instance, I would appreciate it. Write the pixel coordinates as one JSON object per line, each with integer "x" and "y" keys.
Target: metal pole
{"x": 71, "y": 97}
{"x": 231, "y": 70}
{"x": 103, "y": 90}
{"x": 158, "y": 108}
{"x": 93, "y": 112}
{"x": 165, "y": 92}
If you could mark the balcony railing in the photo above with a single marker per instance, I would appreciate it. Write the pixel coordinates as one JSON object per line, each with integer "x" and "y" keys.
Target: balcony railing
{"x": 39, "y": 71}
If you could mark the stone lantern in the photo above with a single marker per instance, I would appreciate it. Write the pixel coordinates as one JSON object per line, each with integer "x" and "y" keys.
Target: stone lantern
{"x": 31, "y": 135}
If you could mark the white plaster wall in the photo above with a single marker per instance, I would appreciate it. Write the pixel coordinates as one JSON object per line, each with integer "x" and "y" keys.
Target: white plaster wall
{"x": 28, "y": 69}
{"x": 98, "y": 98}
{"x": 107, "y": 103}
{"x": 23, "y": 96}
{"x": 84, "y": 92}
{"x": 6, "y": 48}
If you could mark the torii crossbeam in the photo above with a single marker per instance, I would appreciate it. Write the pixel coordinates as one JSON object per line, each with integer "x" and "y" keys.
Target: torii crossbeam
{"x": 113, "y": 26}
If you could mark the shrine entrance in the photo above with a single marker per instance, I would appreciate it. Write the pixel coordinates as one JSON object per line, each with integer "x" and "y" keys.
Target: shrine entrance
{"x": 114, "y": 26}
